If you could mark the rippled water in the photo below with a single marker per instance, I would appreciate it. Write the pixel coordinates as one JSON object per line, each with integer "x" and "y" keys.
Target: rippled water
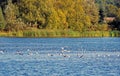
{"x": 44, "y": 57}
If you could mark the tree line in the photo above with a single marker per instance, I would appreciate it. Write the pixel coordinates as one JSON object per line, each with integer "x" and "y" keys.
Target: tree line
{"x": 77, "y": 15}
{"x": 110, "y": 8}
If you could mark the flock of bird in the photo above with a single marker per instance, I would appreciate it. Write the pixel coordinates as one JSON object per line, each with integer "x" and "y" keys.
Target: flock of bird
{"x": 63, "y": 52}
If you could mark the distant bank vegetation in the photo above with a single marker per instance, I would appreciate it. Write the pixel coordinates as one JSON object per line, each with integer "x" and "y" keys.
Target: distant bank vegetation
{"x": 60, "y": 33}
{"x": 60, "y": 18}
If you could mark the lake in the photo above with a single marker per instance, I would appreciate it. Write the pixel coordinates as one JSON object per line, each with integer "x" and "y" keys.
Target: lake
{"x": 59, "y": 56}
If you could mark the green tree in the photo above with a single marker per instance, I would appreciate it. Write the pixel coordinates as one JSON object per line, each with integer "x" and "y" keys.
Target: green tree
{"x": 117, "y": 3}
{"x": 11, "y": 13}
{"x": 111, "y": 10}
{"x": 10, "y": 16}
{"x": 91, "y": 10}
{"x": 2, "y": 21}
{"x": 53, "y": 21}
{"x": 32, "y": 12}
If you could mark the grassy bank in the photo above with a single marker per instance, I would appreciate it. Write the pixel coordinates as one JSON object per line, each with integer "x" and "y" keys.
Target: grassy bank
{"x": 60, "y": 33}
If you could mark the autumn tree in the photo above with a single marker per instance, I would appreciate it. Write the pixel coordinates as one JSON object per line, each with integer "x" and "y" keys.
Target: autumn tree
{"x": 11, "y": 15}
{"x": 2, "y": 21}
{"x": 31, "y": 12}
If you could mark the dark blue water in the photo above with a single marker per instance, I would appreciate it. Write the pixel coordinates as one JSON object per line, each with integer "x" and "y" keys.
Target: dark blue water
{"x": 48, "y": 44}
{"x": 42, "y": 57}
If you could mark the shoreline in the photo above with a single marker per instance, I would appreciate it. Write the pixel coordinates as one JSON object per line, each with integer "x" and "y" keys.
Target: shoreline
{"x": 60, "y": 34}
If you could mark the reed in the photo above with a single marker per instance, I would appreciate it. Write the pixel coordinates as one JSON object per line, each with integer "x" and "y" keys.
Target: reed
{"x": 60, "y": 33}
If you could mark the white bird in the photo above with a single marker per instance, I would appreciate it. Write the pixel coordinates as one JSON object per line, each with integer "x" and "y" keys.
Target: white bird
{"x": 28, "y": 50}
{"x": 1, "y": 52}
{"x": 108, "y": 55}
{"x": 80, "y": 56}
{"x": 30, "y": 53}
{"x": 118, "y": 55}
{"x": 98, "y": 55}
{"x": 36, "y": 53}
{"x": 104, "y": 55}
{"x": 68, "y": 51}
{"x": 66, "y": 56}
{"x": 50, "y": 54}
{"x": 62, "y": 48}
{"x": 19, "y": 53}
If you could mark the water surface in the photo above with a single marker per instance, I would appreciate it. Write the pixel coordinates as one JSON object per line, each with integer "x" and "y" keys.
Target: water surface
{"x": 44, "y": 57}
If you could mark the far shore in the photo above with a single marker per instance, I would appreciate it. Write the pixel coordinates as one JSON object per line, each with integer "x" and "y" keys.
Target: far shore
{"x": 60, "y": 34}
